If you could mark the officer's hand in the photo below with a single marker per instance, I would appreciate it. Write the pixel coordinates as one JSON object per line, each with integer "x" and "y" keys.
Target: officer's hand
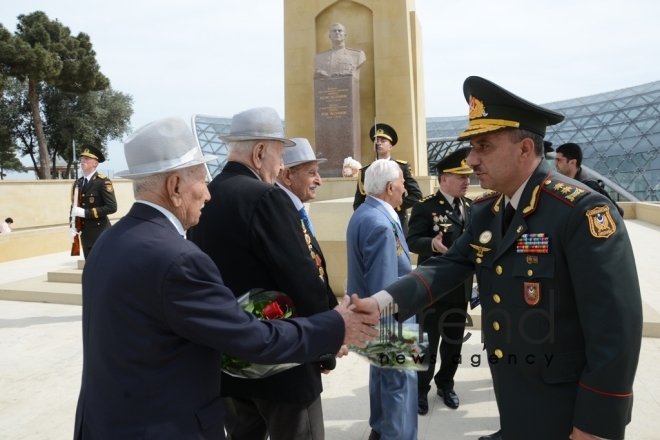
{"x": 77, "y": 212}
{"x": 359, "y": 321}
{"x": 437, "y": 244}
{"x": 581, "y": 435}
{"x": 73, "y": 233}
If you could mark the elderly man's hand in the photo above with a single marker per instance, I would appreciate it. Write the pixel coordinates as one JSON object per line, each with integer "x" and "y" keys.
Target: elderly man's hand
{"x": 358, "y": 323}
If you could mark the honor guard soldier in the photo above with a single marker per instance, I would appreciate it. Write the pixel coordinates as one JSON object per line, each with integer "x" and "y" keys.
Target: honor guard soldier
{"x": 96, "y": 198}
{"x": 561, "y": 305}
{"x": 384, "y": 138}
{"x": 436, "y": 222}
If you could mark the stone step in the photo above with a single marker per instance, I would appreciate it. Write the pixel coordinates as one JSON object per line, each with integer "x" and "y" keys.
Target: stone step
{"x": 81, "y": 264}
{"x": 39, "y": 289}
{"x": 73, "y": 276}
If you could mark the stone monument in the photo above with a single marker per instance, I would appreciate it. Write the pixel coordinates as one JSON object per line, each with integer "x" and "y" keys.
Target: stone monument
{"x": 337, "y": 103}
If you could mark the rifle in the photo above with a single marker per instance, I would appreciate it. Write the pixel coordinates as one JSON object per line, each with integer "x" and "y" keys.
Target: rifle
{"x": 75, "y": 223}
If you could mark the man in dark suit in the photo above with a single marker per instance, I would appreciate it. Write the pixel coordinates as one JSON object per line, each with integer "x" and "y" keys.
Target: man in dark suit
{"x": 299, "y": 179}
{"x": 385, "y": 138}
{"x": 560, "y": 297}
{"x": 435, "y": 223}
{"x": 256, "y": 220}
{"x": 568, "y": 161}
{"x": 96, "y": 199}
{"x": 157, "y": 317}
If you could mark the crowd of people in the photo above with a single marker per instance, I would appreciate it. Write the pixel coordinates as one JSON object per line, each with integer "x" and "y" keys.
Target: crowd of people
{"x": 554, "y": 269}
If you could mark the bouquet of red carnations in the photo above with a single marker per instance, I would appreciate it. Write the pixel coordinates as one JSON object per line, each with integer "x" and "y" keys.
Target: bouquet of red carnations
{"x": 264, "y": 305}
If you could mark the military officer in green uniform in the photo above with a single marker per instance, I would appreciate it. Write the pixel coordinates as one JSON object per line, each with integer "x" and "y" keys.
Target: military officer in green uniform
{"x": 384, "y": 138}
{"x": 561, "y": 304}
{"x": 436, "y": 222}
{"x": 96, "y": 198}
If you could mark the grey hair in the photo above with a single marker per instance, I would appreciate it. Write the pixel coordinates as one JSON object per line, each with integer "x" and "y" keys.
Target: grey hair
{"x": 154, "y": 183}
{"x": 241, "y": 147}
{"x": 518, "y": 135}
{"x": 379, "y": 174}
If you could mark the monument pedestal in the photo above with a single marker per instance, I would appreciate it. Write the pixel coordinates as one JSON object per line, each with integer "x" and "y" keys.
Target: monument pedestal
{"x": 337, "y": 122}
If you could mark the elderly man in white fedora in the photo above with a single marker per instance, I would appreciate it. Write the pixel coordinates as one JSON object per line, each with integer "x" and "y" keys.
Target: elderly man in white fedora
{"x": 299, "y": 179}
{"x": 157, "y": 316}
{"x": 255, "y": 236}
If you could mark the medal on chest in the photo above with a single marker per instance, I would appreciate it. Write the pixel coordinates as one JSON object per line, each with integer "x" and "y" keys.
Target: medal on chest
{"x": 314, "y": 255}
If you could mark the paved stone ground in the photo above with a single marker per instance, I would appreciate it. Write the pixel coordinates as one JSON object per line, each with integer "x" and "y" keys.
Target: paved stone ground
{"x": 41, "y": 362}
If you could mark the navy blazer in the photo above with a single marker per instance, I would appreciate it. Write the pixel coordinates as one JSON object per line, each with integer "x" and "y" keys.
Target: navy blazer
{"x": 253, "y": 233}
{"x": 156, "y": 319}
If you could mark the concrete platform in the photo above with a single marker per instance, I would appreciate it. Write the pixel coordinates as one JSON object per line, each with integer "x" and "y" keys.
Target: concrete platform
{"x": 41, "y": 365}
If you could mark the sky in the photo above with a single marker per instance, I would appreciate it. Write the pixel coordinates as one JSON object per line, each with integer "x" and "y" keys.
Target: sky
{"x": 179, "y": 58}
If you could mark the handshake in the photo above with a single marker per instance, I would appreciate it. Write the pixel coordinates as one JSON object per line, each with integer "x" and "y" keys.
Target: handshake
{"x": 361, "y": 316}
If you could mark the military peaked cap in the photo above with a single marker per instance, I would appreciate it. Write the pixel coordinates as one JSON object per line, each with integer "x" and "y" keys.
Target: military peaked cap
{"x": 493, "y": 109}
{"x": 384, "y": 131}
{"x": 547, "y": 147}
{"x": 455, "y": 162}
{"x": 93, "y": 152}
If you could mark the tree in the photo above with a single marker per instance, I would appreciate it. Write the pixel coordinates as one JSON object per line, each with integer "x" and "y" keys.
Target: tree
{"x": 93, "y": 118}
{"x": 16, "y": 117}
{"x": 8, "y": 159}
{"x": 43, "y": 50}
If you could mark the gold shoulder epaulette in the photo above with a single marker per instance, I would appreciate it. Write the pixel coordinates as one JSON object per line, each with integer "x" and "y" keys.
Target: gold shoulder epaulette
{"x": 402, "y": 162}
{"x": 424, "y": 199}
{"x": 102, "y": 176}
{"x": 564, "y": 190}
{"x": 485, "y": 196}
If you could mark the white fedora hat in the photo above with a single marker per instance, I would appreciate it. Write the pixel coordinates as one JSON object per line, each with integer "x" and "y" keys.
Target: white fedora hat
{"x": 302, "y": 152}
{"x": 161, "y": 146}
{"x": 262, "y": 123}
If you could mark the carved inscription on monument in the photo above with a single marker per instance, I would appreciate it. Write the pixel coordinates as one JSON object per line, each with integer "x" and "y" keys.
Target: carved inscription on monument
{"x": 337, "y": 103}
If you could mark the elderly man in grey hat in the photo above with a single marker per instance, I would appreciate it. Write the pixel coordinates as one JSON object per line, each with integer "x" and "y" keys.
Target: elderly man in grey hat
{"x": 255, "y": 236}
{"x": 299, "y": 179}
{"x": 157, "y": 316}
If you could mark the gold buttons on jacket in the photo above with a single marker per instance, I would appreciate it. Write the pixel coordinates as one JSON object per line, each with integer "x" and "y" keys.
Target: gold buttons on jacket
{"x": 478, "y": 260}
{"x": 496, "y": 326}
{"x": 498, "y": 270}
{"x": 497, "y": 298}
{"x": 530, "y": 272}
{"x": 499, "y": 353}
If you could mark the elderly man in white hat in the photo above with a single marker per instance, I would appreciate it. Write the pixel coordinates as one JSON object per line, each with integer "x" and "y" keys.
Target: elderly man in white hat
{"x": 255, "y": 236}
{"x": 157, "y": 316}
{"x": 299, "y": 179}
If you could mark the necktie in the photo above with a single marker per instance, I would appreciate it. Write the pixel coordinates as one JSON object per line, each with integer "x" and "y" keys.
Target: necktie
{"x": 457, "y": 209}
{"x": 308, "y": 223}
{"x": 509, "y": 212}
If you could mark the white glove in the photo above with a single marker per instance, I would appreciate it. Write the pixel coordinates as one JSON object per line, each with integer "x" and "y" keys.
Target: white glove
{"x": 77, "y": 212}
{"x": 73, "y": 233}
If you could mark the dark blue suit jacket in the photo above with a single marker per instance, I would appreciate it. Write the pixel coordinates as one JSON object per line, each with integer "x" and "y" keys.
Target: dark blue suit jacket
{"x": 156, "y": 318}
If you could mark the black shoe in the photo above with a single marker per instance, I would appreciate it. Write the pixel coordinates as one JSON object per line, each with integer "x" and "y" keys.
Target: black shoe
{"x": 495, "y": 436}
{"x": 374, "y": 435}
{"x": 422, "y": 404}
{"x": 450, "y": 398}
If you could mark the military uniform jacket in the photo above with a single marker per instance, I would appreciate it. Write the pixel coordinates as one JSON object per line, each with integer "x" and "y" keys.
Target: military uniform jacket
{"x": 98, "y": 200}
{"x": 413, "y": 193}
{"x": 563, "y": 329}
{"x": 253, "y": 233}
{"x": 429, "y": 216}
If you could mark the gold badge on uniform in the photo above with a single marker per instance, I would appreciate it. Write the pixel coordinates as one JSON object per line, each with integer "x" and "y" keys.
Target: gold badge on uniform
{"x": 485, "y": 237}
{"x": 601, "y": 224}
{"x": 532, "y": 293}
{"x": 91, "y": 199}
{"x": 108, "y": 186}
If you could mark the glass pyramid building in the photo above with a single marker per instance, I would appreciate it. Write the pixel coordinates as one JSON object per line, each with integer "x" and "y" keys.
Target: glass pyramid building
{"x": 618, "y": 131}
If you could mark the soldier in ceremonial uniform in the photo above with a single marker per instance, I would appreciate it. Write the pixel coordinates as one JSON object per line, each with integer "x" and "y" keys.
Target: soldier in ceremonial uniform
{"x": 436, "y": 222}
{"x": 384, "y": 138}
{"x": 561, "y": 304}
{"x": 96, "y": 198}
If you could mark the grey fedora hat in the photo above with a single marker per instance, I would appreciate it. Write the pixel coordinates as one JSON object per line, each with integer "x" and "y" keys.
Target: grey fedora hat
{"x": 161, "y": 146}
{"x": 262, "y": 123}
{"x": 302, "y": 152}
